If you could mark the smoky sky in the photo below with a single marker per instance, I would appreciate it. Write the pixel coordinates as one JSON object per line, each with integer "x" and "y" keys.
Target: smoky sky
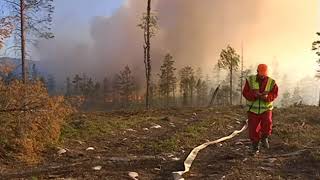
{"x": 188, "y": 29}
{"x": 193, "y": 31}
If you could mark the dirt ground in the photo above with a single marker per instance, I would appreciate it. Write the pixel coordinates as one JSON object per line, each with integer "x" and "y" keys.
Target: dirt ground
{"x": 155, "y": 143}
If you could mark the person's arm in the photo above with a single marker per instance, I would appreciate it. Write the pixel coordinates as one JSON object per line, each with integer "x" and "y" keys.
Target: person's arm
{"x": 248, "y": 93}
{"x": 273, "y": 94}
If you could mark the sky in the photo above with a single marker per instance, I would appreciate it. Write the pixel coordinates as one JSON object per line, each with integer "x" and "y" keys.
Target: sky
{"x": 77, "y": 14}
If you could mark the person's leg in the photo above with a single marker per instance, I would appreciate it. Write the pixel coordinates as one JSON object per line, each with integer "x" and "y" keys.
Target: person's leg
{"x": 254, "y": 129}
{"x": 266, "y": 128}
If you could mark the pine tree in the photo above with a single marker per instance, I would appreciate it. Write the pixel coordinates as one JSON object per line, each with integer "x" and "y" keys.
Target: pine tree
{"x": 187, "y": 84}
{"x": 97, "y": 90}
{"x": 68, "y": 87}
{"x": 167, "y": 78}
{"x": 88, "y": 89}
{"x": 51, "y": 84}
{"x": 155, "y": 94}
{"x": 116, "y": 89}
{"x": 241, "y": 79}
{"x": 217, "y": 75}
{"x": 126, "y": 84}
{"x": 202, "y": 92}
{"x": 285, "y": 101}
{"x": 198, "y": 91}
{"x": 296, "y": 96}
{"x": 192, "y": 87}
{"x": 229, "y": 60}
{"x": 77, "y": 84}
{"x": 35, "y": 73}
{"x": 106, "y": 87}
{"x": 83, "y": 84}
{"x": 199, "y": 74}
{"x": 32, "y": 19}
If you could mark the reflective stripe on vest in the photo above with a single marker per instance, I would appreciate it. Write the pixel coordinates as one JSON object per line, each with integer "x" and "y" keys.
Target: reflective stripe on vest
{"x": 259, "y": 106}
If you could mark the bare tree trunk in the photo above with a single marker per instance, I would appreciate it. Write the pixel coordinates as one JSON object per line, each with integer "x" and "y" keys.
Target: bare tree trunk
{"x": 20, "y": 126}
{"x": 174, "y": 95}
{"x": 191, "y": 98}
{"x": 241, "y": 76}
{"x": 231, "y": 89}
{"x": 146, "y": 73}
{"x": 23, "y": 41}
{"x": 167, "y": 99}
{"x": 319, "y": 99}
{"x": 167, "y": 89}
{"x": 148, "y": 60}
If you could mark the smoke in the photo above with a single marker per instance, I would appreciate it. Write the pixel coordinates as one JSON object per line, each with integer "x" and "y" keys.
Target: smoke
{"x": 193, "y": 31}
{"x": 197, "y": 31}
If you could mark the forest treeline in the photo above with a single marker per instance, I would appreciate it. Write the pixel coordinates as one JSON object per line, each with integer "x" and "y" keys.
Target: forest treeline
{"x": 171, "y": 87}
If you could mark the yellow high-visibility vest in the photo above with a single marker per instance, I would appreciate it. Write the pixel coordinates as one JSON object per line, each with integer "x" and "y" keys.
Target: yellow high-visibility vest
{"x": 259, "y": 106}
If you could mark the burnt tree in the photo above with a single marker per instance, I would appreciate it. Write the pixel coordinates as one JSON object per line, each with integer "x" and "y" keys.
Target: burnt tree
{"x": 149, "y": 27}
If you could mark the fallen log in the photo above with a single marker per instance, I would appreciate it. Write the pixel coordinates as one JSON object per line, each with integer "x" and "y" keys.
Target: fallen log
{"x": 214, "y": 96}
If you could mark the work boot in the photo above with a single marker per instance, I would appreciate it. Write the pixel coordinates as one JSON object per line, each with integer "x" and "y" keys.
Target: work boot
{"x": 255, "y": 148}
{"x": 265, "y": 142}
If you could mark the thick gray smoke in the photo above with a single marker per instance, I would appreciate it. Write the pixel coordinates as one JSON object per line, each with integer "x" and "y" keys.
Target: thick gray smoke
{"x": 192, "y": 31}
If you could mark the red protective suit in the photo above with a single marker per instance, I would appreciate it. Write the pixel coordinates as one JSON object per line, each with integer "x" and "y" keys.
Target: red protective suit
{"x": 260, "y": 125}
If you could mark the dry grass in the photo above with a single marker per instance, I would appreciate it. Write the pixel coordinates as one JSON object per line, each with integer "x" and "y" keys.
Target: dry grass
{"x": 30, "y": 119}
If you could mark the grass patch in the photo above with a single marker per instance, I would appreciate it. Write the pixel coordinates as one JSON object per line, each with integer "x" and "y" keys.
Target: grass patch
{"x": 167, "y": 145}
{"x": 298, "y": 125}
{"x": 93, "y": 125}
{"x": 190, "y": 136}
{"x": 90, "y": 127}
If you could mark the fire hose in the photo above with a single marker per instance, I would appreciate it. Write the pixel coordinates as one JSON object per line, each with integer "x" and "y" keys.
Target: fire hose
{"x": 188, "y": 162}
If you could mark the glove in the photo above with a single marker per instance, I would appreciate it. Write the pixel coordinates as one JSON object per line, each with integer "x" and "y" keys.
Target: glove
{"x": 257, "y": 94}
{"x": 264, "y": 96}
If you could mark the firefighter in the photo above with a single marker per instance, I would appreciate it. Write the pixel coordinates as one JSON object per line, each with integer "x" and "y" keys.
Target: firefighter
{"x": 260, "y": 91}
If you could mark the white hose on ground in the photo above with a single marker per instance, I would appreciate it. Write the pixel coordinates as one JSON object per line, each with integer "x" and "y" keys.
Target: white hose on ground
{"x": 188, "y": 162}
